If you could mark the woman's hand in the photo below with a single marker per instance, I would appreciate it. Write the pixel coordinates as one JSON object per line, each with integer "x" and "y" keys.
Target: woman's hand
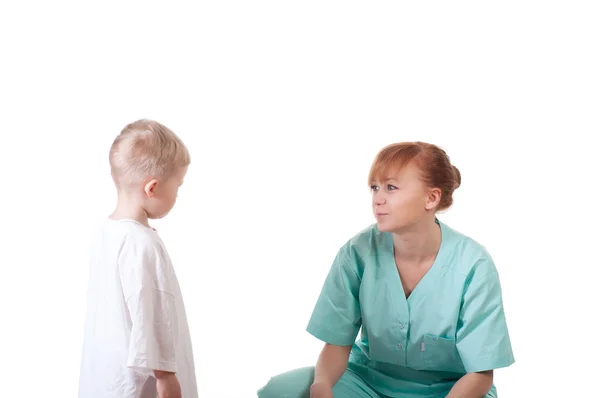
{"x": 321, "y": 390}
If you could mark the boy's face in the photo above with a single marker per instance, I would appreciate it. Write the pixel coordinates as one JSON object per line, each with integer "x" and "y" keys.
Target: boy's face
{"x": 161, "y": 195}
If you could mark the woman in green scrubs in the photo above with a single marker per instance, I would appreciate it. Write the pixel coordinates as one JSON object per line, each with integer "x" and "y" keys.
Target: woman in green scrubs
{"x": 425, "y": 298}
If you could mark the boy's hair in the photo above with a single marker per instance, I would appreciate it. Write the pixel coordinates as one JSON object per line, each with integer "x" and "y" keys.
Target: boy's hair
{"x": 146, "y": 149}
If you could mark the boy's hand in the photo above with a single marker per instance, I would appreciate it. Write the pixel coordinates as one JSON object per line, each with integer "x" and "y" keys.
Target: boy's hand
{"x": 167, "y": 385}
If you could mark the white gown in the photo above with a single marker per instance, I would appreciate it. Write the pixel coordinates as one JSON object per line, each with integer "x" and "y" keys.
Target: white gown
{"x": 135, "y": 321}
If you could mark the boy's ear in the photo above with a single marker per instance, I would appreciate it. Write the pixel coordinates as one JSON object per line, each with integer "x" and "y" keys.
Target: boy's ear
{"x": 150, "y": 188}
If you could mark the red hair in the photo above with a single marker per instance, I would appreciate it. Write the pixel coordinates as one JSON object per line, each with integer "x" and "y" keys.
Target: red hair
{"x": 431, "y": 160}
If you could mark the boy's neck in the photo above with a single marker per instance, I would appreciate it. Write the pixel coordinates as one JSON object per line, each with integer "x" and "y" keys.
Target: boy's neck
{"x": 131, "y": 210}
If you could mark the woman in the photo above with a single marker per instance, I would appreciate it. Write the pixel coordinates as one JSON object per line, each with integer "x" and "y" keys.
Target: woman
{"x": 426, "y": 298}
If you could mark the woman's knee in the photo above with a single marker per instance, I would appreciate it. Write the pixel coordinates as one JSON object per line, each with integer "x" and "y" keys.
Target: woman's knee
{"x": 293, "y": 384}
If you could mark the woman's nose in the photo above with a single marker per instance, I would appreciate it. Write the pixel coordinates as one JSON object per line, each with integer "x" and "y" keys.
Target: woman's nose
{"x": 378, "y": 198}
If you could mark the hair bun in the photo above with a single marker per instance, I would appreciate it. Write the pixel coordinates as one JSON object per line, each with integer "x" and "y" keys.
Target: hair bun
{"x": 458, "y": 178}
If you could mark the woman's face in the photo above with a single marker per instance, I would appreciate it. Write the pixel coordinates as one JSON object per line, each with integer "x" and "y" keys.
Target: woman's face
{"x": 402, "y": 199}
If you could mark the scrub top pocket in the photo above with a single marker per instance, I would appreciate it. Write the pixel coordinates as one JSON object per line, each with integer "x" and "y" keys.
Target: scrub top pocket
{"x": 440, "y": 354}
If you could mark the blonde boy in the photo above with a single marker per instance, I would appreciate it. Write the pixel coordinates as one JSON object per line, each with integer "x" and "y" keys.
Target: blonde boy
{"x": 137, "y": 342}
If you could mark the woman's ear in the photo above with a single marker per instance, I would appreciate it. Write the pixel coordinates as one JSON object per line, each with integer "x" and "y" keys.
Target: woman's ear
{"x": 434, "y": 196}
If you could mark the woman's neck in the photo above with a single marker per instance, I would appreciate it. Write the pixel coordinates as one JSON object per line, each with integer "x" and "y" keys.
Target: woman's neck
{"x": 419, "y": 243}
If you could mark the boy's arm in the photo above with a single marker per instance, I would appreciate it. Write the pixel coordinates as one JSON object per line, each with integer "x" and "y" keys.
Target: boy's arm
{"x": 151, "y": 306}
{"x": 159, "y": 374}
{"x": 167, "y": 385}
{"x": 153, "y": 329}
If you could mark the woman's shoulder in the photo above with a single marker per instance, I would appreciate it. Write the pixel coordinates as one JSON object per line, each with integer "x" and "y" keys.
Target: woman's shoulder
{"x": 468, "y": 254}
{"x": 366, "y": 242}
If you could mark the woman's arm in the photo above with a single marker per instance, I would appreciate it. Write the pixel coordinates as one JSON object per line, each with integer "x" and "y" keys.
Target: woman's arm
{"x": 331, "y": 365}
{"x": 336, "y": 321}
{"x": 472, "y": 385}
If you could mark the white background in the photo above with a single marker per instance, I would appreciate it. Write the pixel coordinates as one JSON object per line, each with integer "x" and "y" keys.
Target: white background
{"x": 283, "y": 106}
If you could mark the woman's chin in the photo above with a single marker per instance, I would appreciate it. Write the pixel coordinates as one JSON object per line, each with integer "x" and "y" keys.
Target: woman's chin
{"x": 383, "y": 226}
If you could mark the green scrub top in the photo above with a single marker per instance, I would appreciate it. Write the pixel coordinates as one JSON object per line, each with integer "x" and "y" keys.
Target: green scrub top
{"x": 452, "y": 323}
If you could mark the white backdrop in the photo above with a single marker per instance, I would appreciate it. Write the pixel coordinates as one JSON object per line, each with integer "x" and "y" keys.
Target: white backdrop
{"x": 283, "y": 107}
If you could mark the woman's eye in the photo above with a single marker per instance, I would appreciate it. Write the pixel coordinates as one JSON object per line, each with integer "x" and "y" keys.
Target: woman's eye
{"x": 391, "y": 188}
{"x": 374, "y": 188}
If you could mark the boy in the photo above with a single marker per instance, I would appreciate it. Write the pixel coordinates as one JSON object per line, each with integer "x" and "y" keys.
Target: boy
{"x": 137, "y": 342}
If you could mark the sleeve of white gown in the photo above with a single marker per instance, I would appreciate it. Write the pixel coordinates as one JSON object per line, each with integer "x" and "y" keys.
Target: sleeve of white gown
{"x": 146, "y": 282}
